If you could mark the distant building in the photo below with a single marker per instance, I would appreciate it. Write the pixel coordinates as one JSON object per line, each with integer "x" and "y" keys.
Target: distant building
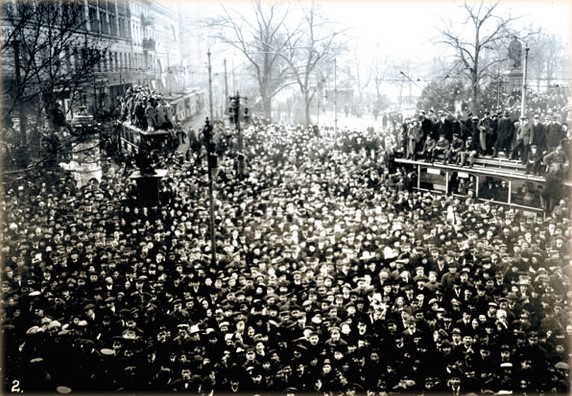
{"x": 137, "y": 42}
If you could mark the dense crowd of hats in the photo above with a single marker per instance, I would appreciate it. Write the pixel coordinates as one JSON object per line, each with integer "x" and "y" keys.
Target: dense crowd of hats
{"x": 331, "y": 275}
{"x": 550, "y": 102}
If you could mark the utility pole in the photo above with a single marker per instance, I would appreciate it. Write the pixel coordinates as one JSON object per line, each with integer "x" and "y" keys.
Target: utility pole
{"x": 233, "y": 78}
{"x": 234, "y": 110}
{"x": 525, "y": 64}
{"x": 335, "y": 101}
{"x": 225, "y": 85}
{"x": 318, "y": 110}
{"x": 210, "y": 86}
{"x": 211, "y": 164}
{"x": 498, "y": 90}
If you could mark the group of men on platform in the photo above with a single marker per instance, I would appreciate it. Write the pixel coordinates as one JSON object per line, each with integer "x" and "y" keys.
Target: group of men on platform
{"x": 438, "y": 135}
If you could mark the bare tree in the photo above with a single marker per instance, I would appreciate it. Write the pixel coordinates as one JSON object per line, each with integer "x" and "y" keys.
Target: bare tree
{"x": 378, "y": 71}
{"x": 359, "y": 76}
{"x": 547, "y": 59}
{"x": 311, "y": 43}
{"x": 260, "y": 40}
{"x": 485, "y": 30}
{"x": 47, "y": 50}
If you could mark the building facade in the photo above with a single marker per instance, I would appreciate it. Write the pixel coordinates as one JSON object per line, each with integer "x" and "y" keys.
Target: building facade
{"x": 131, "y": 42}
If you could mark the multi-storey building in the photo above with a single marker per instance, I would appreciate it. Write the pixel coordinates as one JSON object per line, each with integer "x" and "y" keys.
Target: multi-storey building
{"x": 139, "y": 42}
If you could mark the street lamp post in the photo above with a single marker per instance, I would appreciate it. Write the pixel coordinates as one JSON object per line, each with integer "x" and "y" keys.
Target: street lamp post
{"x": 320, "y": 87}
{"x": 318, "y": 109}
{"x": 524, "y": 67}
{"x": 211, "y": 164}
{"x": 225, "y": 83}
{"x": 210, "y": 85}
{"x": 234, "y": 117}
{"x": 335, "y": 101}
{"x": 498, "y": 89}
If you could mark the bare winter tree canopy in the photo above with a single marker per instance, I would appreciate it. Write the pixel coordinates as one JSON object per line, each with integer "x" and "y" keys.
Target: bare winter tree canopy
{"x": 261, "y": 40}
{"x": 42, "y": 42}
{"x": 283, "y": 44}
{"x": 482, "y": 30}
{"x": 310, "y": 44}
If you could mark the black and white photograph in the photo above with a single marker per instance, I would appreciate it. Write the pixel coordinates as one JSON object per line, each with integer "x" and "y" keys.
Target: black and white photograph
{"x": 297, "y": 197}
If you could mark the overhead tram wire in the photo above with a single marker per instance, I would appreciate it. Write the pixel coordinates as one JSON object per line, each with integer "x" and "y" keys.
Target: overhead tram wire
{"x": 438, "y": 99}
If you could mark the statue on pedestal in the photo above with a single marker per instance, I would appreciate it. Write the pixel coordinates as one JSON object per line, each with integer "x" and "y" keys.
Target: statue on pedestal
{"x": 515, "y": 53}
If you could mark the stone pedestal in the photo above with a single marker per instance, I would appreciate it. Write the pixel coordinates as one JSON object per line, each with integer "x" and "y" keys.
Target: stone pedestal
{"x": 85, "y": 163}
{"x": 513, "y": 80}
{"x": 148, "y": 185}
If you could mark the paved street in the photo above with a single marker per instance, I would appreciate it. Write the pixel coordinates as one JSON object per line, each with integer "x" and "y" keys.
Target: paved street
{"x": 197, "y": 123}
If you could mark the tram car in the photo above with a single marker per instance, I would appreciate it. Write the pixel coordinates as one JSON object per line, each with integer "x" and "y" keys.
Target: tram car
{"x": 131, "y": 138}
{"x": 184, "y": 107}
{"x": 498, "y": 180}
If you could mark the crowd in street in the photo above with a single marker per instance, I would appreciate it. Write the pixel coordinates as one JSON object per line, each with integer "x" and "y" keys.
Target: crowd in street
{"x": 331, "y": 275}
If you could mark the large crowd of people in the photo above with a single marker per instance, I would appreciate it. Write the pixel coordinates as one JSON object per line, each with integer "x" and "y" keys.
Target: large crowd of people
{"x": 459, "y": 140}
{"x": 144, "y": 108}
{"x": 331, "y": 275}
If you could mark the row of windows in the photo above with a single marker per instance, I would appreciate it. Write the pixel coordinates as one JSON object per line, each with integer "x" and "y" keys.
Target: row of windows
{"x": 106, "y": 17}
{"x": 102, "y": 18}
{"x": 141, "y": 32}
{"x": 112, "y": 61}
{"x": 108, "y": 23}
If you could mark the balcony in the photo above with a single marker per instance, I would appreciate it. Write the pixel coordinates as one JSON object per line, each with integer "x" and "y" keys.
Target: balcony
{"x": 148, "y": 44}
{"x": 147, "y": 20}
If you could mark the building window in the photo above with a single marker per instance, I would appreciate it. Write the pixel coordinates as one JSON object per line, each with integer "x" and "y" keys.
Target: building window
{"x": 104, "y": 63}
{"x": 112, "y": 25}
{"x": 75, "y": 58}
{"x": 104, "y": 22}
{"x": 67, "y": 60}
{"x": 93, "y": 22}
{"x": 122, "y": 27}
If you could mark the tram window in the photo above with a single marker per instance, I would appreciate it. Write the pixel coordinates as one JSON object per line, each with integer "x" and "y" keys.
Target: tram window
{"x": 432, "y": 179}
{"x": 493, "y": 188}
{"x": 526, "y": 193}
{"x": 460, "y": 183}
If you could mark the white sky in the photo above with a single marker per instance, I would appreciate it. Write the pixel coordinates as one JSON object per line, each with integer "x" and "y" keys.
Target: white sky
{"x": 407, "y": 27}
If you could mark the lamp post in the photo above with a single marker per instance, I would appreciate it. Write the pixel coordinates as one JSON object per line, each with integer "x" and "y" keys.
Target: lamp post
{"x": 335, "y": 101}
{"x": 210, "y": 85}
{"x": 211, "y": 164}
{"x": 498, "y": 89}
{"x": 225, "y": 82}
{"x": 525, "y": 67}
{"x": 234, "y": 117}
